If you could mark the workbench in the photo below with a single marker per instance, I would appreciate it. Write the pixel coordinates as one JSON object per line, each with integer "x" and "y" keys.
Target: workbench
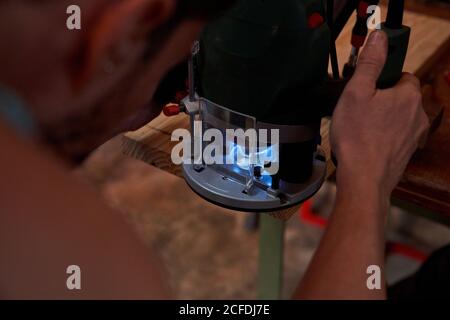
{"x": 425, "y": 187}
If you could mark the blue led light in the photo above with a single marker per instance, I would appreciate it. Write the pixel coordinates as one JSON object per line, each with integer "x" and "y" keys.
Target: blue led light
{"x": 244, "y": 160}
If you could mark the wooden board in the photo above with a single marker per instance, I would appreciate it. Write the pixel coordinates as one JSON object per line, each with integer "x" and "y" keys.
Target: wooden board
{"x": 152, "y": 144}
{"x": 434, "y": 8}
{"x": 429, "y": 37}
{"x": 426, "y": 182}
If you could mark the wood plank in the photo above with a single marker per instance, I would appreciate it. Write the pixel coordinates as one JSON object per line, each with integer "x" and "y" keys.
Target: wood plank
{"x": 152, "y": 144}
{"x": 426, "y": 182}
{"x": 436, "y": 8}
{"x": 429, "y": 37}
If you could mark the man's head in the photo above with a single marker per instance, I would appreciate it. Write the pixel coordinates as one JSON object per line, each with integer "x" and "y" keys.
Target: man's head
{"x": 83, "y": 84}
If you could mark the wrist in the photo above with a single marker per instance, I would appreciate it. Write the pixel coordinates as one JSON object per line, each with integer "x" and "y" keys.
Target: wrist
{"x": 362, "y": 190}
{"x": 363, "y": 176}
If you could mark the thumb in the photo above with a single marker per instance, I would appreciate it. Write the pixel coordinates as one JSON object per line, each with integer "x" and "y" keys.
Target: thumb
{"x": 372, "y": 59}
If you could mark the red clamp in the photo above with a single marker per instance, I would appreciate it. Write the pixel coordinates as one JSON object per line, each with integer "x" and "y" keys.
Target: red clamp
{"x": 315, "y": 20}
{"x": 171, "y": 109}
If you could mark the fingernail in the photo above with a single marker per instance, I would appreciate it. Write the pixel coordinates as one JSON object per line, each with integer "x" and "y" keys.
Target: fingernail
{"x": 376, "y": 38}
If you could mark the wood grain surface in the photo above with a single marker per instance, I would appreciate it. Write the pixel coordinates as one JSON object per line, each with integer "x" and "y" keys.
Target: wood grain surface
{"x": 426, "y": 182}
{"x": 429, "y": 38}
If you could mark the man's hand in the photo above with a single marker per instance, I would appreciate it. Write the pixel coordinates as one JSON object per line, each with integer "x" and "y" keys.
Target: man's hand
{"x": 375, "y": 132}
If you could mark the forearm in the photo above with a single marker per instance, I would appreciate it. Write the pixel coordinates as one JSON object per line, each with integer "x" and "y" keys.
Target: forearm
{"x": 354, "y": 240}
{"x": 373, "y": 135}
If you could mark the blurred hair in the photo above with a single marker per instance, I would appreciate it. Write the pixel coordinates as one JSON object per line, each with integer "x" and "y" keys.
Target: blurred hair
{"x": 204, "y": 9}
{"x": 186, "y": 9}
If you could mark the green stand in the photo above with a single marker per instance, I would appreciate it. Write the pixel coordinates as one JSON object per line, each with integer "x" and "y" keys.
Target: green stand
{"x": 271, "y": 249}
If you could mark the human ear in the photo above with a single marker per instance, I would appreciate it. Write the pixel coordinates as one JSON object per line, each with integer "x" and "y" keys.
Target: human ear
{"x": 119, "y": 35}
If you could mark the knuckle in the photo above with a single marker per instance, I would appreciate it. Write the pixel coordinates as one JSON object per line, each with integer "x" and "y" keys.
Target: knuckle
{"x": 409, "y": 77}
{"x": 422, "y": 123}
{"x": 414, "y": 80}
{"x": 425, "y": 129}
{"x": 415, "y": 94}
{"x": 411, "y": 90}
{"x": 412, "y": 98}
{"x": 354, "y": 92}
{"x": 425, "y": 121}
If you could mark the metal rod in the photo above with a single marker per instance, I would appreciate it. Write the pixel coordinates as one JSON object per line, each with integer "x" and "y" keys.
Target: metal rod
{"x": 333, "y": 52}
{"x": 194, "y": 51}
{"x": 343, "y": 17}
{"x": 271, "y": 258}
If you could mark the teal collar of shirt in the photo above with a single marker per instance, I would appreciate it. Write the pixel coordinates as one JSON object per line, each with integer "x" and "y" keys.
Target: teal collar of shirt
{"x": 15, "y": 113}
